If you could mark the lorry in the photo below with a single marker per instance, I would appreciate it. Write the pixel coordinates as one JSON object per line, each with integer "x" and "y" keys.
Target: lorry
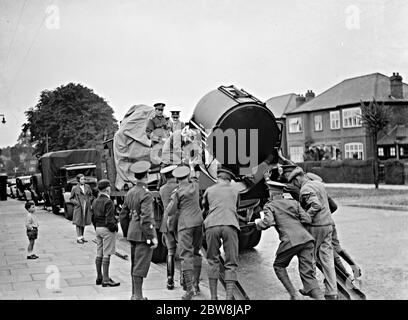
{"x": 226, "y": 109}
{"x": 58, "y": 171}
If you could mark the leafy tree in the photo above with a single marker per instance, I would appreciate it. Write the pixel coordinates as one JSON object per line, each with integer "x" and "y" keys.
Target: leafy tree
{"x": 376, "y": 118}
{"x": 69, "y": 117}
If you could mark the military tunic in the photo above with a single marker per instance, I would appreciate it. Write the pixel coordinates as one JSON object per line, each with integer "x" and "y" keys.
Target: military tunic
{"x": 221, "y": 223}
{"x": 314, "y": 199}
{"x": 158, "y": 122}
{"x": 177, "y": 125}
{"x": 137, "y": 222}
{"x": 165, "y": 193}
{"x": 185, "y": 213}
{"x": 288, "y": 218}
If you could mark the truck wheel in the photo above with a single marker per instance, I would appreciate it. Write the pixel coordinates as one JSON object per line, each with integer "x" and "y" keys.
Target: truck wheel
{"x": 160, "y": 253}
{"x": 68, "y": 210}
{"x": 250, "y": 237}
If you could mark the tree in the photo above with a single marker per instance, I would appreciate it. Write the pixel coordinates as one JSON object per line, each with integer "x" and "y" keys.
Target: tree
{"x": 376, "y": 118}
{"x": 69, "y": 117}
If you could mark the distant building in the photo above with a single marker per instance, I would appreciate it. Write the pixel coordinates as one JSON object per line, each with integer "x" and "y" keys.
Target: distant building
{"x": 329, "y": 126}
{"x": 394, "y": 145}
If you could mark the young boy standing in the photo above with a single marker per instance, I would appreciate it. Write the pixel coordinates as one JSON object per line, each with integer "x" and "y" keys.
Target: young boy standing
{"x": 32, "y": 228}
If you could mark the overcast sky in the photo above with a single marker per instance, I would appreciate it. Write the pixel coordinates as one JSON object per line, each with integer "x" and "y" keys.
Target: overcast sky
{"x": 175, "y": 51}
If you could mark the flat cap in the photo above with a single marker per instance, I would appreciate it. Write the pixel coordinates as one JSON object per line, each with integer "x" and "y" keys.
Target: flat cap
{"x": 168, "y": 168}
{"x": 297, "y": 171}
{"x": 140, "y": 167}
{"x": 313, "y": 176}
{"x": 103, "y": 184}
{"x": 159, "y": 105}
{"x": 181, "y": 172}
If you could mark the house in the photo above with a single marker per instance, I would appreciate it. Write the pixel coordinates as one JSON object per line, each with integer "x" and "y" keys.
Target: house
{"x": 329, "y": 125}
{"x": 394, "y": 144}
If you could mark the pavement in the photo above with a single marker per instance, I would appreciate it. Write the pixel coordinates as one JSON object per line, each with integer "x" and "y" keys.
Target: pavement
{"x": 66, "y": 269}
{"x": 367, "y": 186}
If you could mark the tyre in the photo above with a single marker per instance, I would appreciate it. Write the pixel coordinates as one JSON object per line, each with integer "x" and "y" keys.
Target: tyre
{"x": 68, "y": 210}
{"x": 160, "y": 253}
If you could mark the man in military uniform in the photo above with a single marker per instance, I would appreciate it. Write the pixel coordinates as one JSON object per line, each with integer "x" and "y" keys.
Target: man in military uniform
{"x": 177, "y": 124}
{"x": 137, "y": 222}
{"x": 314, "y": 200}
{"x": 288, "y": 218}
{"x": 158, "y": 127}
{"x": 184, "y": 211}
{"x": 221, "y": 223}
{"x": 168, "y": 236}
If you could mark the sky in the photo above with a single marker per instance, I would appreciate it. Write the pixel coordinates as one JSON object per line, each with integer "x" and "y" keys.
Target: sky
{"x": 175, "y": 51}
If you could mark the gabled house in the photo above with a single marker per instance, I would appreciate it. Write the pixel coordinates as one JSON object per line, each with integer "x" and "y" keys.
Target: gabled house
{"x": 330, "y": 126}
{"x": 394, "y": 145}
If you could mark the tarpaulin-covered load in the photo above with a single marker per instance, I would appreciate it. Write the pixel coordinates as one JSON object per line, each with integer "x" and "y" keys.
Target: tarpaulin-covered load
{"x": 50, "y": 163}
{"x": 130, "y": 143}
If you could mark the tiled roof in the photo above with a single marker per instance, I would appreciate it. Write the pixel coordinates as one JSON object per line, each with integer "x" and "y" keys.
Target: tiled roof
{"x": 398, "y": 133}
{"x": 351, "y": 91}
{"x": 282, "y": 104}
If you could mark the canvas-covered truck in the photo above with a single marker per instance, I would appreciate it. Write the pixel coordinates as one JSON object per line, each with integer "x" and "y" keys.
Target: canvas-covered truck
{"x": 58, "y": 175}
{"x": 236, "y": 113}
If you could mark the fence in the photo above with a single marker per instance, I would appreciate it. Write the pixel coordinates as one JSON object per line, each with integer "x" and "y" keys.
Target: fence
{"x": 357, "y": 171}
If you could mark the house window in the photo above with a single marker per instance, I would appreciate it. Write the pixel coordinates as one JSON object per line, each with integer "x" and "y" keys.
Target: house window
{"x": 381, "y": 152}
{"x": 335, "y": 120}
{"x": 352, "y": 118}
{"x": 296, "y": 154}
{"x": 318, "y": 126}
{"x": 353, "y": 150}
{"x": 295, "y": 125}
{"x": 401, "y": 151}
{"x": 392, "y": 151}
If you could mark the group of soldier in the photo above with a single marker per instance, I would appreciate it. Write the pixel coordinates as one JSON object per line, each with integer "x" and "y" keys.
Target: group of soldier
{"x": 298, "y": 207}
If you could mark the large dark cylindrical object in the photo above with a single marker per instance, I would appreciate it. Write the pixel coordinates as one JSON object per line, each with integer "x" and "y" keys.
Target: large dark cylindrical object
{"x": 3, "y": 187}
{"x": 233, "y": 110}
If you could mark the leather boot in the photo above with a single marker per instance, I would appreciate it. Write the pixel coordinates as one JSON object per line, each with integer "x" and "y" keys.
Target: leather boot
{"x": 229, "y": 289}
{"x": 98, "y": 264}
{"x": 188, "y": 281}
{"x": 283, "y": 276}
{"x": 330, "y": 296}
{"x": 138, "y": 283}
{"x": 213, "y": 288}
{"x": 106, "y": 280}
{"x": 170, "y": 272}
{"x": 196, "y": 279}
{"x": 316, "y": 294}
{"x": 133, "y": 297}
{"x": 350, "y": 261}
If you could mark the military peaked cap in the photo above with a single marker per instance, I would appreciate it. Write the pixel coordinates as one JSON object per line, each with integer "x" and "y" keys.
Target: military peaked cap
{"x": 288, "y": 168}
{"x": 297, "y": 171}
{"x": 159, "y": 105}
{"x": 181, "y": 172}
{"x": 140, "y": 167}
{"x": 221, "y": 168}
{"x": 175, "y": 113}
{"x": 313, "y": 176}
{"x": 168, "y": 168}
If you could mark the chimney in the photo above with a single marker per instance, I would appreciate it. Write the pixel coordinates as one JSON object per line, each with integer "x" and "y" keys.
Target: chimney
{"x": 396, "y": 86}
{"x": 300, "y": 99}
{"x": 309, "y": 95}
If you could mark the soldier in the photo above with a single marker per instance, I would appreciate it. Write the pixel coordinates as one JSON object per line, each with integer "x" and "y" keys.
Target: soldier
{"x": 221, "y": 223}
{"x": 177, "y": 124}
{"x": 313, "y": 198}
{"x": 288, "y": 218}
{"x": 184, "y": 211}
{"x": 137, "y": 222}
{"x": 158, "y": 127}
{"x": 168, "y": 237}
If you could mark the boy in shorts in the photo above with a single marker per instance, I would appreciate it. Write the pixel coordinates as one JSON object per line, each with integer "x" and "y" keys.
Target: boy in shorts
{"x": 32, "y": 225}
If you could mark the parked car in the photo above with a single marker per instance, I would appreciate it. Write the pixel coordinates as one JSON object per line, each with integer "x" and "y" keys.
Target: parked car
{"x": 23, "y": 184}
{"x": 11, "y": 188}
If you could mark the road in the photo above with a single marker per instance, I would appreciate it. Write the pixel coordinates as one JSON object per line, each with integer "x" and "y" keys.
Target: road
{"x": 376, "y": 239}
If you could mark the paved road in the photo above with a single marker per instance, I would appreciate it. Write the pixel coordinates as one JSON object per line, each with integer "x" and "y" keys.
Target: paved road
{"x": 377, "y": 239}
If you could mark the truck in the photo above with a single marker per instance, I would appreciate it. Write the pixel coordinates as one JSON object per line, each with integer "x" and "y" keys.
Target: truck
{"x": 224, "y": 110}
{"x": 58, "y": 171}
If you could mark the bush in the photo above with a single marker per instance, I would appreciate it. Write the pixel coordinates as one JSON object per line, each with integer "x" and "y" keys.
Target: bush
{"x": 393, "y": 172}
